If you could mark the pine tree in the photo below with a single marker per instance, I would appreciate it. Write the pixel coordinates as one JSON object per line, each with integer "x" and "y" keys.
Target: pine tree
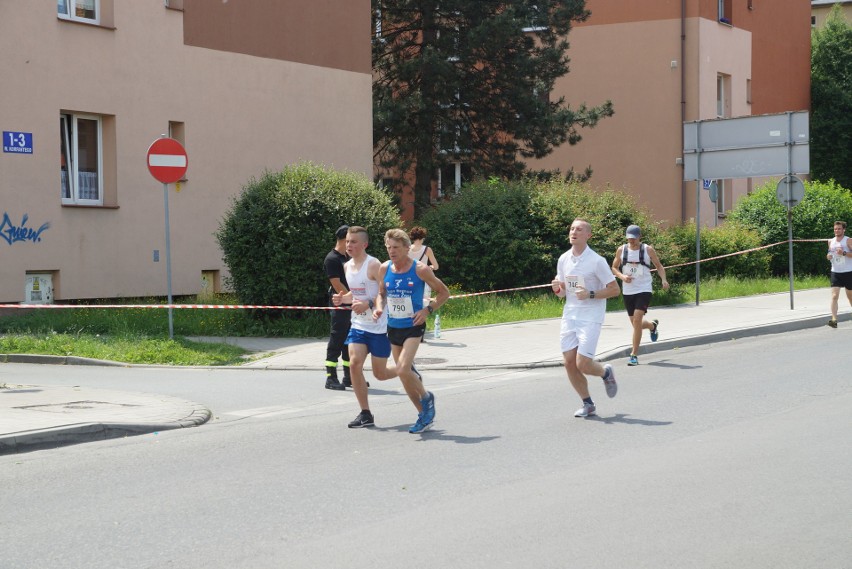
{"x": 469, "y": 81}
{"x": 831, "y": 100}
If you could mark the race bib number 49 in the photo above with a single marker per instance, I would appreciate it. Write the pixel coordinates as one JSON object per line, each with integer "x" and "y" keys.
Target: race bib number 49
{"x": 838, "y": 260}
{"x": 635, "y": 270}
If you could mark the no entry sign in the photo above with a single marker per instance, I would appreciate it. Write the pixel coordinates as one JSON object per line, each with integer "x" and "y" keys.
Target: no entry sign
{"x": 167, "y": 160}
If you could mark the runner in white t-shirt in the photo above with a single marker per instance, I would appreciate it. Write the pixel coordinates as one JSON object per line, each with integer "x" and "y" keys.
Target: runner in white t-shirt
{"x": 840, "y": 255}
{"x": 585, "y": 281}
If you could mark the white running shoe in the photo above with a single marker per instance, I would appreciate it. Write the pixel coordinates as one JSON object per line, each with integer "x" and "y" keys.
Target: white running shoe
{"x": 609, "y": 381}
{"x": 587, "y": 410}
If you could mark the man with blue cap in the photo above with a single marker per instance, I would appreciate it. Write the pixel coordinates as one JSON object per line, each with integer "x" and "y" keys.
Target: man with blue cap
{"x": 632, "y": 264}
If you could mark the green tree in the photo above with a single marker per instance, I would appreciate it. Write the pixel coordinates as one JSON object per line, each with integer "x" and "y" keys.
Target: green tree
{"x": 279, "y": 229}
{"x": 831, "y": 100}
{"x": 469, "y": 81}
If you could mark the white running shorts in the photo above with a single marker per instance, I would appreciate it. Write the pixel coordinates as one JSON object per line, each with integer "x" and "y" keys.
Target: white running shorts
{"x": 582, "y": 335}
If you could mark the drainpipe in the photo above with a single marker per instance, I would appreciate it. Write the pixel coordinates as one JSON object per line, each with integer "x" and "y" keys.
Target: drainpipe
{"x": 682, "y": 101}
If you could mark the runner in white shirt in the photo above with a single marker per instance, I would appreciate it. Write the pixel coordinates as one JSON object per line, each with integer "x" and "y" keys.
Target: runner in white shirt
{"x": 840, "y": 255}
{"x": 632, "y": 264}
{"x": 585, "y": 281}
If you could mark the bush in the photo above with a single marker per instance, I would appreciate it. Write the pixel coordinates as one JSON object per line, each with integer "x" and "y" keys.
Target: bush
{"x": 721, "y": 240}
{"x": 557, "y": 203}
{"x": 813, "y": 218}
{"x": 485, "y": 238}
{"x": 279, "y": 229}
{"x": 506, "y": 234}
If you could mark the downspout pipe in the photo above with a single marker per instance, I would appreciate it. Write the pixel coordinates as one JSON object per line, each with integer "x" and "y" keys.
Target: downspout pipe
{"x": 682, "y": 102}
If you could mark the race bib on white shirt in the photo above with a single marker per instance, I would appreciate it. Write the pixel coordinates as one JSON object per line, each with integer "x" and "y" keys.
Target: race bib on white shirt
{"x": 635, "y": 270}
{"x": 573, "y": 283}
{"x": 363, "y": 317}
{"x": 400, "y": 307}
{"x": 838, "y": 260}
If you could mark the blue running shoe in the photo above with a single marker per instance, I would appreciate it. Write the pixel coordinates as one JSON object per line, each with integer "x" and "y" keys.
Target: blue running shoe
{"x": 428, "y": 404}
{"x": 633, "y": 361}
{"x": 654, "y": 334}
{"x": 421, "y": 425}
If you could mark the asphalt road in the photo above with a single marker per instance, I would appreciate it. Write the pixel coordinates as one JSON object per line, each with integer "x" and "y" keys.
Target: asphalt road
{"x": 733, "y": 454}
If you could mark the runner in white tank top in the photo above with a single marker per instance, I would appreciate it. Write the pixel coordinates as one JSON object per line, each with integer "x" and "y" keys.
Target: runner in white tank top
{"x": 367, "y": 335}
{"x": 840, "y": 255}
{"x": 632, "y": 264}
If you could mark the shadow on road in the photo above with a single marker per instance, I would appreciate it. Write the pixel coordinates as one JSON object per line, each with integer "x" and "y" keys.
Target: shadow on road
{"x": 667, "y": 363}
{"x": 624, "y": 418}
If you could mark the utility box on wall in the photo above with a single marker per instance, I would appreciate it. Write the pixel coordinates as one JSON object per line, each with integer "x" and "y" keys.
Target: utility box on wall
{"x": 38, "y": 288}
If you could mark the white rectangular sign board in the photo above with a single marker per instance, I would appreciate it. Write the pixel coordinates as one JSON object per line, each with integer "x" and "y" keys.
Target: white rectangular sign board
{"x": 746, "y": 147}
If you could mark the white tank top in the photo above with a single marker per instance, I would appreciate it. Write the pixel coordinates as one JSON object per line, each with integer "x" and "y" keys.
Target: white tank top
{"x": 419, "y": 255}
{"x": 364, "y": 288}
{"x": 641, "y": 274}
{"x": 839, "y": 263}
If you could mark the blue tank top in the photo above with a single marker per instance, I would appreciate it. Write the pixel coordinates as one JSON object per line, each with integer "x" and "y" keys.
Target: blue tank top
{"x": 404, "y": 296}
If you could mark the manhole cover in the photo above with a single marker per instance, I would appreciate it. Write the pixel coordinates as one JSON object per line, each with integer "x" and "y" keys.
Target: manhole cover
{"x": 429, "y": 361}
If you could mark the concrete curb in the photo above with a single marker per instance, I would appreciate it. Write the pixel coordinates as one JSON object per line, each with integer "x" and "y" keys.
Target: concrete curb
{"x": 66, "y": 435}
{"x": 56, "y": 360}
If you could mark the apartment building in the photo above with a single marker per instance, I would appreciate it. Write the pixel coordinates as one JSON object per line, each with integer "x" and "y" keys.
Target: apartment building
{"x": 820, "y": 9}
{"x": 90, "y": 84}
{"x": 670, "y": 61}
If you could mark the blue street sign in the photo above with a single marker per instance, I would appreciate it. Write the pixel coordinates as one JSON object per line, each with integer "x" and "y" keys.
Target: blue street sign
{"x": 18, "y": 142}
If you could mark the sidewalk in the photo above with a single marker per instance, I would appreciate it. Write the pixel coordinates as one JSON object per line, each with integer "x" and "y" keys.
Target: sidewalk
{"x": 535, "y": 343}
{"x": 33, "y": 417}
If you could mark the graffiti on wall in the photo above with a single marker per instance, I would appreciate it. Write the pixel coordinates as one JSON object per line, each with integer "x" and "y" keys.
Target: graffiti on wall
{"x": 12, "y": 233}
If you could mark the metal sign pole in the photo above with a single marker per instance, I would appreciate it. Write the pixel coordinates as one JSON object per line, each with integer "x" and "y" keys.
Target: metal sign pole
{"x": 698, "y": 183}
{"x": 790, "y": 200}
{"x": 168, "y": 260}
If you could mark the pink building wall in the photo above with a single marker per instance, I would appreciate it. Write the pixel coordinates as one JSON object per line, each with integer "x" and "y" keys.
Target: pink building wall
{"x": 241, "y": 114}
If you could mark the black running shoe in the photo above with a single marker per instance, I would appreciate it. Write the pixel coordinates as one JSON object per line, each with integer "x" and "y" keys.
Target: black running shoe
{"x": 347, "y": 382}
{"x": 333, "y": 383}
{"x": 364, "y": 419}
{"x": 417, "y": 373}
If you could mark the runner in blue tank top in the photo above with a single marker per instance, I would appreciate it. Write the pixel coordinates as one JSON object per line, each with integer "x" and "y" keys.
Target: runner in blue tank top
{"x": 401, "y": 296}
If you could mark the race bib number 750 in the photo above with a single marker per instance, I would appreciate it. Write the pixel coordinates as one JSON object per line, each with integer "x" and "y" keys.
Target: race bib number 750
{"x": 400, "y": 307}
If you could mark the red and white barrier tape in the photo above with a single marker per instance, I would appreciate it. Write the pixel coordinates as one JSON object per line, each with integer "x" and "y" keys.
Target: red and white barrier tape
{"x": 743, "y": 252}
{"x": 230, "y": 306}
{"x": 454, "y": 296}
{"x": 276, "y": 307}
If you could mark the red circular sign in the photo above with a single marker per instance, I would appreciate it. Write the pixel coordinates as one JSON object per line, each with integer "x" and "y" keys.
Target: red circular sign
{"x": 167, "y": 160}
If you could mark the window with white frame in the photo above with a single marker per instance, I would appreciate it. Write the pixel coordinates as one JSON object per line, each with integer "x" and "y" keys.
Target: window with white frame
{"x": 725, "y": 9}
{"x": 81, "y": 10}
{"x": 451, "y": 177}
{"x": 723, "y": 96}
{"x": 81, "y": 160}
{"x": 536, "y": 20}
{"x": 720, "y": 197}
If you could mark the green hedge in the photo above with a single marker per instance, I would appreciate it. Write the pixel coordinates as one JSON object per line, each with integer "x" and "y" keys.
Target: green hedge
{"x": 279, "y": 229}
{"x": 813, "y": 218}
{"x": 721, "y": 240}
{"x": 506, "y": 234}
